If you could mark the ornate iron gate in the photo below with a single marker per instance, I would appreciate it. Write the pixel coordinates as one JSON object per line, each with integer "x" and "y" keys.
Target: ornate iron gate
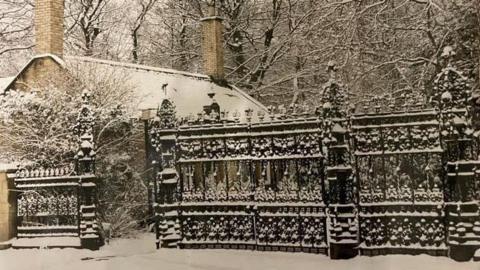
{"x": 255, "y": 186}
{"x": 398, "y": 155}
{"x": 59, "y": 203}
{"x": 394, "y": 174}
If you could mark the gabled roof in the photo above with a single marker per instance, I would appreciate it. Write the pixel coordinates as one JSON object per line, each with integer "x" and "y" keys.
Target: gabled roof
{"x": 188, "y": 91}
{"x": 6, "y": 83}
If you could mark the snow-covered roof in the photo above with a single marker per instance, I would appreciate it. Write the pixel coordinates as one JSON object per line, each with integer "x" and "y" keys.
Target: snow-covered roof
{"x": 5, "y": 82}
{"x": 188, "y": 91}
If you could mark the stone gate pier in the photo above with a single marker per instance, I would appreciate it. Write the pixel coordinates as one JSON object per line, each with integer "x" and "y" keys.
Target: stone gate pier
{"x": 7, "y": 205}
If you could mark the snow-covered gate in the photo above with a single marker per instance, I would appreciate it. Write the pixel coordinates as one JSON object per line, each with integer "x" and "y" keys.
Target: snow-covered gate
{"x": 398, "y": 156}
{"x": 395, "y": 174}
{"x": 56, "y": 206}
{"x": 417, "y": 170}
{"x": 249, "y": 186}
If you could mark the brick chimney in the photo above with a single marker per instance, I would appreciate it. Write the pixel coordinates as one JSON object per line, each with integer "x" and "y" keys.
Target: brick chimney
{"x": 49, "y": 27}
{"x": 212, "y": 44}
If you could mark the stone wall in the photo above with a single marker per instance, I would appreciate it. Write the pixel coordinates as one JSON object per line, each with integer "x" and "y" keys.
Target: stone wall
{"x": 7, "y": 207}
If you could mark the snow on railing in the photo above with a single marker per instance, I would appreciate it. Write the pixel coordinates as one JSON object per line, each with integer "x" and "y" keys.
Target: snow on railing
{"x": 45, "y": 172}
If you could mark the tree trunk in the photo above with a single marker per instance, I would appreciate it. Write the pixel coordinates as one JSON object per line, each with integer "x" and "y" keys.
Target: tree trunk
{"x": 478, "y": 39}
{"x": 135, "y": 47}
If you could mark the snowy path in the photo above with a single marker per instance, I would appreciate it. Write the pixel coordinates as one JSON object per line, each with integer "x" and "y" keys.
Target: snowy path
{"x": 140, "y": 254}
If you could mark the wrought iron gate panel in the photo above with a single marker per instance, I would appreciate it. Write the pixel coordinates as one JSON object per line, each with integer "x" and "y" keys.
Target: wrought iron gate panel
{"x": 254, "y": 226}
{"x": 255, "y": 186}
{"x": 399, "y": 166}
{"x": 47, "y": 204}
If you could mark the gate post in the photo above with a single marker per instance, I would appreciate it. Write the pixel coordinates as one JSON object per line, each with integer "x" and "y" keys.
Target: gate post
{"x": 166, "y": 194}
{"x": 461, "y": 207}
{"x": 342, "y": 212}
{"x": 85, "y": 168}
{"x": 8, "y": 207}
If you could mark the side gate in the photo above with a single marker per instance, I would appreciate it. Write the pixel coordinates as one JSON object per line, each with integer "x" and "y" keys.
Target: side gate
{"x": 56, "y": 207}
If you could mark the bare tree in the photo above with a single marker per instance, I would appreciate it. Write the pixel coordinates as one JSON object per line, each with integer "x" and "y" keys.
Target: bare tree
{"x": 171, "y": 37}
{"x": 94, "y": 27}
{"x": 16, "y": 33}
{"x": 145, "y": 7}
{"x": 276, "y": 49}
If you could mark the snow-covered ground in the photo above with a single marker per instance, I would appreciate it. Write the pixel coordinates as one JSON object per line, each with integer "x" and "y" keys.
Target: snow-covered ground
{"x": 140, "y": 254}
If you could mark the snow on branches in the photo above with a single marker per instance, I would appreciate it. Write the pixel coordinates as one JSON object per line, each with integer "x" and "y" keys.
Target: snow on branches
{"x": 38, "y": 126}
{"x": 35, "y": 126}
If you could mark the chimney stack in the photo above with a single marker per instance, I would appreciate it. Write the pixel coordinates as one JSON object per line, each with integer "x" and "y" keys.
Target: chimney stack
{"x": 49, "y": 27}
{"x": 212, "y": 44}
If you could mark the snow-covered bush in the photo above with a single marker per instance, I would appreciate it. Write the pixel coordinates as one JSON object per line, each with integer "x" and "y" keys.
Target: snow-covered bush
{"x": 35, "y": 127}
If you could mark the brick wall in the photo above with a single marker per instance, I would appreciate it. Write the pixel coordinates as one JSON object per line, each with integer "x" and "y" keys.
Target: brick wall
{"x": 39, "y": 73}
{"x": 212, "y": 45}
{"x": 49, "y": 27}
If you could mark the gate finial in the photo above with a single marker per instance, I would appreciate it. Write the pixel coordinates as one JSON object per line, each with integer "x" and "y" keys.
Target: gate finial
{"x": 84, "y": 130}
{"x": 333, "y": 98}
{"x": 451, "y": 87}
{"x": 167, "y": 115}
{"x": 332, "y": 69}
{"x": 448, "y": 53}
